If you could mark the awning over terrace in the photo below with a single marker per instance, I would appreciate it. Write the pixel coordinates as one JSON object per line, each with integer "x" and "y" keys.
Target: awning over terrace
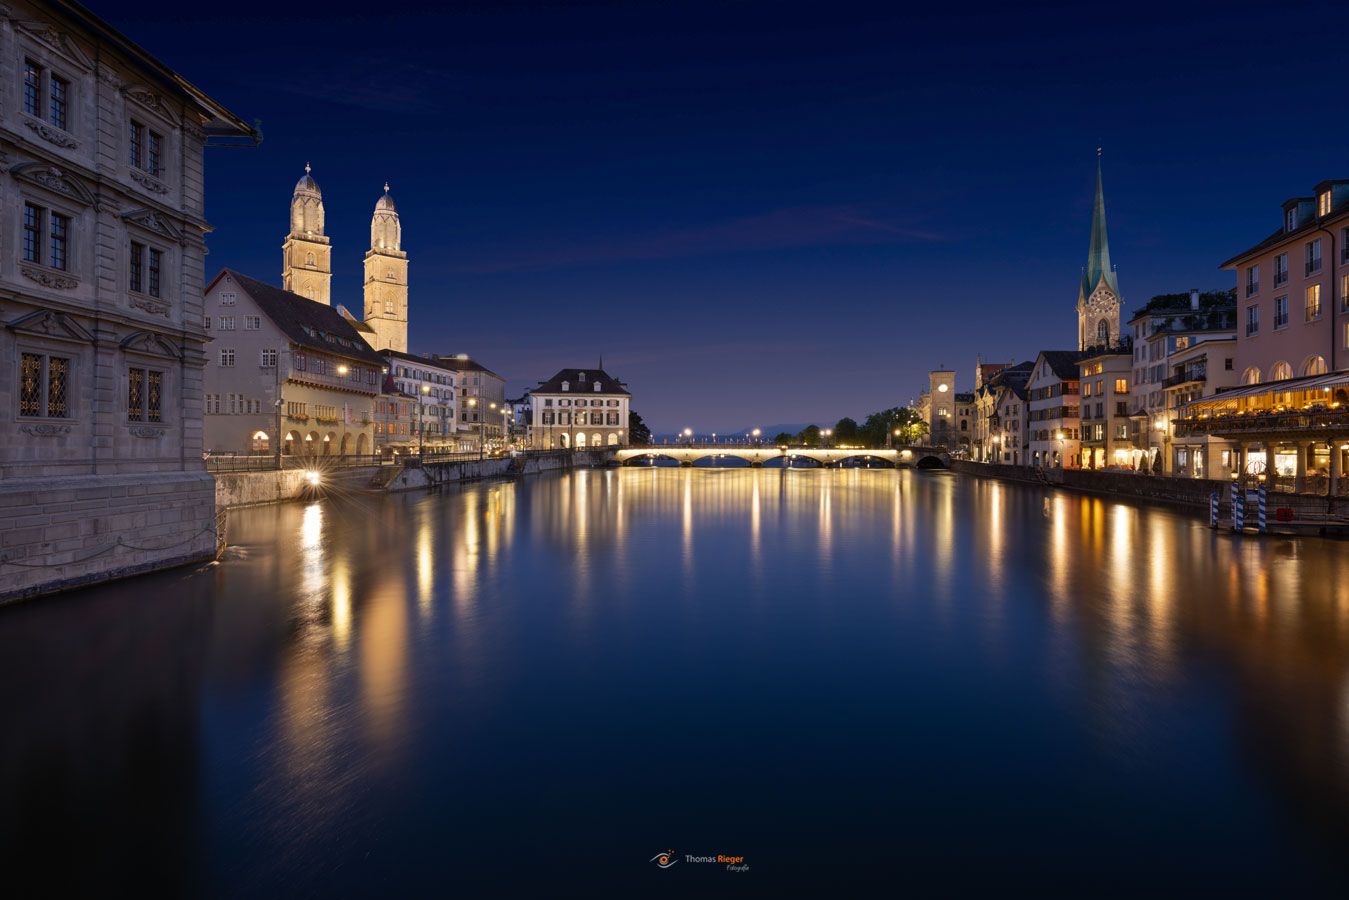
{"x": 1321, "y": 388}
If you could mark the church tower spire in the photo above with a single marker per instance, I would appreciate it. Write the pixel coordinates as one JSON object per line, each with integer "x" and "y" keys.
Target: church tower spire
{"x": 306, "y": 266}
{"x": 386, "y": 278}
{"x": 1098, "y": 299}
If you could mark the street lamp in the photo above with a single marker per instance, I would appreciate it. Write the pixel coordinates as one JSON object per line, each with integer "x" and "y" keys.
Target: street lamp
{"x": 1058, "y": 437}
{"x": 755, "y": 433}
{"x": 688, "y": 436}
{"x": 828, "y": 433}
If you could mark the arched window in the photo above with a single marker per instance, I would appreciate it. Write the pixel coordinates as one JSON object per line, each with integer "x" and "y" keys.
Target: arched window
{"x": 598, "y": 385}
{"x": 259, "y": 442}
{"x": 1314, "y": 365}
{"x": 1280, "y": 371}
{"x": 1251, "y": 376}
{"x": 1102, "y": 332}
{"x": 580, "y": 439}
{"x": 566, "y": 385}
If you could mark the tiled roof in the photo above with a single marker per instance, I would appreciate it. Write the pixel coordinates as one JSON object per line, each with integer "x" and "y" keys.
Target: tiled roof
{"x": 581, "y": 380}
{"x": 462, "y": 362}
{"x": 306, "y": 322}
{"x": 1063, "y": 363}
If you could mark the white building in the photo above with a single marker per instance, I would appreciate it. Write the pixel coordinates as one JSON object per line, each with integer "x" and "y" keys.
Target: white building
{"x": 418, "y": 409}
{"x": 101, "y": 258}
{"x": 1052, "y": 393}
{"x": 579, "y": 408}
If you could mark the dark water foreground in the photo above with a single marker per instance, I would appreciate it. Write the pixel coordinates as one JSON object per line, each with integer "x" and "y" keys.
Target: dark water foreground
{"x": 917, "y": 682}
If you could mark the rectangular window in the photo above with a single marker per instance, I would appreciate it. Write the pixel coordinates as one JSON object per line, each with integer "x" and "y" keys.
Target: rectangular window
{"x": 60, "y": 236}
{"x": 144, "y": 400}
{"x": 32, "y": 88}
{"x": 1313, "y": 302}
{"x": 1252, "y": 280}
{"x": 1290, "y": 219}
{"x": 137, "y": 267}
{"x": 135, "y": 390}
{"x": 253, "y": 323}
{"x": 207, "y": 322}
{"x": 1346, "y": 334}
{"x": 226, "y": 323}
{"x": 1281, "y": 269}
{"x": 227, "y": 357}
{"x": 32, "y": 233}
{"x": 136, "y": 144}
{"x": 1323, "y": 204}
{"x": 154, "y": 147}
{"x": 1252, "y": 320}
{"x": 1280, "y": 311}
{"x": 267, "y": 359}
{"x": 60, "y": 102}
{"x": 1121, "y": 385}
{"x": 1312, "y": 254}
{"x": 1344, "y": 293}
{"x": 228, "y": 298}
{"x": 153, "y": 271}
{"x": 1344, "y": 245}
{"x": 43, "y": 385}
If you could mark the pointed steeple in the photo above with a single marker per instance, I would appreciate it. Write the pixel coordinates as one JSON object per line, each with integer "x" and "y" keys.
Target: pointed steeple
{"x": 1098, "y": 254}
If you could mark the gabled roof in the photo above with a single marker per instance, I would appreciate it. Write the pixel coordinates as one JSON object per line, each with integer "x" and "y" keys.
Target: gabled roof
{"x": 462, "y": 362}
{"x": 581, "y": 380}
{"x": 1063, "y": 363}
{"x": 306, "y": 322}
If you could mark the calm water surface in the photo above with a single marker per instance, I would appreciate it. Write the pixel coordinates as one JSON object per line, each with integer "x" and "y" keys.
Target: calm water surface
{"x": 917, "y": 680}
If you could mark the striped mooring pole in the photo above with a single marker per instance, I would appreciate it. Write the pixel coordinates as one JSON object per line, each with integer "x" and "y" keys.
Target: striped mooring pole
{"x": 1213, "y": 509}
{"x": 1238, "y": 508}
{"x": 1260, "y": 509}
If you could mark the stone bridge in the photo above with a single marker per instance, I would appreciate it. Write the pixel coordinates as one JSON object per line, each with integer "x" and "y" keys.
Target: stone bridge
{"x": 757, "y": 455}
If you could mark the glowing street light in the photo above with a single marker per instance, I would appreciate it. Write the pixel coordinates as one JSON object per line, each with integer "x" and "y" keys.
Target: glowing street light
{"x": 688, "y": 436}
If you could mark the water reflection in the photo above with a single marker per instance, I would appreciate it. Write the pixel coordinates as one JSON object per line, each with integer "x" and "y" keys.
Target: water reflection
{"x": 425, "y": 680}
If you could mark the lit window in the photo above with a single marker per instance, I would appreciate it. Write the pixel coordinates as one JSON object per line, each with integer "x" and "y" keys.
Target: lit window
{"x": 43, "y": 385}
{"x": 1323, "y": 204}
{"x": 1313, "y": 303}
{"x": 145, "y": 390}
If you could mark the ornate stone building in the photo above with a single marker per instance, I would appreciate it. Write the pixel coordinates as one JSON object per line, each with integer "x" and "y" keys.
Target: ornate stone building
{"x": 101, "y": 258}
{"x": 307, "y": 267}
{"x": 1098, "y": 297}
{"x": 386, "y": 279}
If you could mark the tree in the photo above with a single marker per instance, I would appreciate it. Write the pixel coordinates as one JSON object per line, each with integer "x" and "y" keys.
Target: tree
{"x": 810, "y": 436}
{"x": 878, "y": 429}
{"x": 783, "y": 437}
{"x": 638, "y": 432}
{"x": 845, "y": 431}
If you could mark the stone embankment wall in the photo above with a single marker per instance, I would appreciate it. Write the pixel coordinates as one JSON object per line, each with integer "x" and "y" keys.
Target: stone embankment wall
{"x": 61, "y": 533}
{"x": 1191, "y": 492}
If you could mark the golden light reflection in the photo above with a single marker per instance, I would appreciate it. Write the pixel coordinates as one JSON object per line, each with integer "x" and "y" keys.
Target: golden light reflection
{"x": 341, "y": 609}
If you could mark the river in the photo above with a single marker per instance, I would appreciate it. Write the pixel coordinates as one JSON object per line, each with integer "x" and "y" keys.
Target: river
{"x": 846, "y": 677}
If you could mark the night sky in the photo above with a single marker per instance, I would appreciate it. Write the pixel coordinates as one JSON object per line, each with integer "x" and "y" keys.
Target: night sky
{"x": 760, "y": 213}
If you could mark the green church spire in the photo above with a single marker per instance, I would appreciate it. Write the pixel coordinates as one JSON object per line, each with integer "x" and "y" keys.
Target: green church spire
{"x": 1098, "y": 255}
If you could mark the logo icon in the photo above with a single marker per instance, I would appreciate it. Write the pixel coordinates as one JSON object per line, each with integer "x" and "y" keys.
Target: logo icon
{"x": 665, "y": 859}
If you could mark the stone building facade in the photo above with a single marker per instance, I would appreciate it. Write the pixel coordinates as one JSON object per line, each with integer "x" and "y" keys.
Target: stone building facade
{"x": 280, "y": 364}
{"x": 579, "y": 408}
{"x": 101, "y": 258}
{"x": 417, "y": 411}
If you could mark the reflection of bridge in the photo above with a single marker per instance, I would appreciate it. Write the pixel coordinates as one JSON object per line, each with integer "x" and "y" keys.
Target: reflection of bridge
{"x": 757, "y": 455}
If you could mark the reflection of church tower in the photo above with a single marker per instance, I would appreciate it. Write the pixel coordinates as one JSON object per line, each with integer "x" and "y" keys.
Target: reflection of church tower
{"x": 386, "y": 279}
{"x": 306, "y": 268}
{"x": 1098, "y": 299}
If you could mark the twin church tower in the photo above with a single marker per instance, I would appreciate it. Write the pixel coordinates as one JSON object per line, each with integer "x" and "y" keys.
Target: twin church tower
{"x": 307, "y": 265}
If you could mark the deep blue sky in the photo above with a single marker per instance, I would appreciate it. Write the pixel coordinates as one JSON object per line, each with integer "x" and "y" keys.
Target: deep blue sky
{"x": 760, "y": 213}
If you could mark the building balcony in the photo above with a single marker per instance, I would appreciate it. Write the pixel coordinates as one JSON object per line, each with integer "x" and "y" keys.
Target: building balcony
{"x": 1197, "y": 375}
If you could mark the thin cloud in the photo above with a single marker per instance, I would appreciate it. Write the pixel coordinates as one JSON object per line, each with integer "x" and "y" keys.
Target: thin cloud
{"x": 812, "y": 226}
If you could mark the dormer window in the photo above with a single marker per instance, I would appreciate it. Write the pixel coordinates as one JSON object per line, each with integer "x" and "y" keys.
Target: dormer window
{"x": 566, "y": 385}
{"x": 1290, "y": 219}
{"x": 1323, "y": 204}
{"x": 581, "y": 377}
{"x": 598, "y": 385}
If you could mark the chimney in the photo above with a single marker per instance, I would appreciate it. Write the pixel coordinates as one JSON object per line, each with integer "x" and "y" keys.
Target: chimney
{"x": 1194, "y": 298}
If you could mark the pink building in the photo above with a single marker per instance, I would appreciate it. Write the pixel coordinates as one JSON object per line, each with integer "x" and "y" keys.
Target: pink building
{"x": 1288, "y": 419}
